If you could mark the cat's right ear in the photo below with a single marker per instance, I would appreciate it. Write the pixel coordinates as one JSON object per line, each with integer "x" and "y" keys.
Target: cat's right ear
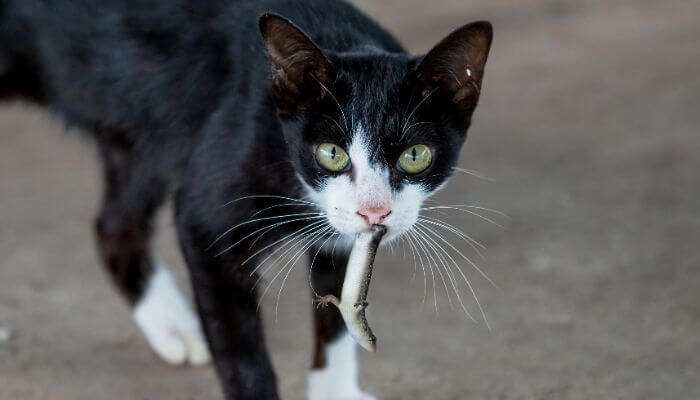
{"x": 300, "y": 69}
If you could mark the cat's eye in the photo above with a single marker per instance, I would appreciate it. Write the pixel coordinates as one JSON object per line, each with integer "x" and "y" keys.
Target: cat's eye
{"x": 332, "y": 157}
{"x": 415, "y": 159}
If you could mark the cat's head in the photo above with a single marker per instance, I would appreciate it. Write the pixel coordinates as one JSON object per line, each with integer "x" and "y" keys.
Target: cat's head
{"x": 372, "y": 134}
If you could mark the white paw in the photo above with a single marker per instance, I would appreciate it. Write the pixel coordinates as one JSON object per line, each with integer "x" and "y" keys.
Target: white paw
{"x": 365, "y": 396}
{"x": 358, "y": 395}
{"x": 169, "y": 325}
{"x": 338, "y": 380}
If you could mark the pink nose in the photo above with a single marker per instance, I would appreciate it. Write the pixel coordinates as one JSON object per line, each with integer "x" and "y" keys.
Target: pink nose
{"x": 374, "y": 215}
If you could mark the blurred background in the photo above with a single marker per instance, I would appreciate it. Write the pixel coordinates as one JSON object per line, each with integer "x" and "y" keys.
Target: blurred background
{"x": 589, "y": 130}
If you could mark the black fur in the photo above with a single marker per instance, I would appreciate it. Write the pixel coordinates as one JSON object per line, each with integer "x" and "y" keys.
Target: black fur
{"x": 182, "y": 96}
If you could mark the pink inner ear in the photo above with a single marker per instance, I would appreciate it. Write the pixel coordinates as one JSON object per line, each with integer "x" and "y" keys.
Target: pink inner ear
{"x": 298, "y": 65}
{"x": 457, "y": 62}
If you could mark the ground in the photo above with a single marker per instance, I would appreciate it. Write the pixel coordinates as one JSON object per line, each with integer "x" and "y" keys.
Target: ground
{"x": 588, "y": 126}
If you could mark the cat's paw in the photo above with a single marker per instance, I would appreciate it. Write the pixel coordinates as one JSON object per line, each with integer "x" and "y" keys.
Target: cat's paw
{"x": 322, "y": 388}
{"x": 358, "y": 395}
{"x": 169, "y": 325}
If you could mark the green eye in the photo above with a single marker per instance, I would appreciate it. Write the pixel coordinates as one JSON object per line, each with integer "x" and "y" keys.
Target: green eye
{"x": 332, "y": 157}
{"x": 415, "y": 159}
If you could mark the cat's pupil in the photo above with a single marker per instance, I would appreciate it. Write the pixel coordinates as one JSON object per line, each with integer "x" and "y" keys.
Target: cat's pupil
{"x": 413, "y": 154}
{"x": 333, "y": 153}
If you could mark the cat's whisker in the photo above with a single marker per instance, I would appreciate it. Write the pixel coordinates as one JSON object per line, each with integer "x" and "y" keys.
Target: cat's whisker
{"x": 309, "y": 218}
{"x": 451, "y": 272}
{"x": 472, "y": 206}
{"x": 300, "y": 232}
{"x": 403, "y": 129}
{"x": 428, "y": 258}
{"x": 471, "y": 242}
{"x": 334, "y": 121}
{"x": 267, "y": 196}
{"x": 294, "y": 261}
{"x": 412, "y": 126}
{"x": 313, "y": 260}
{"x": 405, "y": 110}
{"x": 291, "y": 244}
{"x": 466, "y": 280}
{"x": 487, "y": 219}
{"x": 404, "y": 245}
{"x": 453, "y": 229}
{"x": 476, "y": 267}
{"x": 473, "y": 173}
{"x": 266, "y": 228}
{"x": 420, "y": 258}
{"x": 264, "y": 233}
{"x": 330, "y": 232}
{"x": 281, "y": 270}
{"x": 409, "y": 240}
{"x": 440, "y": 258}
{"x": 391, "y": 248}
{"x": 334, "y": 99}
{"x": 333, "y": 251}
{"x": 279, "y": 205}
{"x": 250, "y": 221}
{"x": 435, "y": 247}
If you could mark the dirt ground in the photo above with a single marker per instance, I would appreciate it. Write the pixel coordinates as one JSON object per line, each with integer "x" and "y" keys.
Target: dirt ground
{"x": 589, "y": 126}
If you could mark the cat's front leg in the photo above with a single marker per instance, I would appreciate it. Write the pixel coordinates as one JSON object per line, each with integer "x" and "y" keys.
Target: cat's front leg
{"x": 227, "y": 305}
{"x": 334, "y": 371}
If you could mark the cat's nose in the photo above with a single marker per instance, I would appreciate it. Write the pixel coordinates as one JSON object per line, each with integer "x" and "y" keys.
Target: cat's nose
{"x": 374, "y": 215}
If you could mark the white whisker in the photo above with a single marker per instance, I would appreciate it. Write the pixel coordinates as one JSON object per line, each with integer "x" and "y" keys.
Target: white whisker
{"x": 473, "y": 173}
{"x": 302, "y": 231}
{"x": 403, "y": 129}
{"x": 313, "y": 260}
{"x": 475, "y": 207}
{"x": 267, "y": 196}
{"x": 291, "y": 244}
{"x": 229, "y": 230}
{"x": 487, "y": 219}
{"x": 476, "y": 267}
{"x": 291, "y": 267}
{"x": 452, "y": 280}
{"x": 421, "y": 245}
{"x": 277, "y": 206}
{"x": 471, "y": 242}
{"x": 466, "y": 280}
{"x": 266, "y": 228}
{"x": 284, "y": 267}
{"x": 420, "y": 258}
{"x": 437, "y": 266}
{"x": 334, "y": 99}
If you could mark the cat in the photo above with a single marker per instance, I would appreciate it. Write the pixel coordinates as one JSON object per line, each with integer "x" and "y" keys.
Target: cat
{"x": 268, "y": 121}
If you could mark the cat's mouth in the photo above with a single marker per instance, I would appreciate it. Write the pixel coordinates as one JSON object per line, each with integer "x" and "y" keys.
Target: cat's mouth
{"x": 349, "y": 235}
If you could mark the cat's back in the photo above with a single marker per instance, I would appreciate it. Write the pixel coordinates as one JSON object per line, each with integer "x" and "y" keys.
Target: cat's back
{"x": 163, "y": 64}
{"x": 124, "y": 63}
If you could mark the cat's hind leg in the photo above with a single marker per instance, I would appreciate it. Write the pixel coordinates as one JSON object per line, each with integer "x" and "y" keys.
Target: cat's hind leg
{"x": 133, "y": 193}
{"x": 334, "y": 369}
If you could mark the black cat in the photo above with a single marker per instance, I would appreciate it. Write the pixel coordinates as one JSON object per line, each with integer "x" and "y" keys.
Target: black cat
{"x": 274, "y": 145}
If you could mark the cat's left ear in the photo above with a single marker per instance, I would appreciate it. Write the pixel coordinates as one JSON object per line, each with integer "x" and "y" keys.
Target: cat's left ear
{"x": 456, "y": 65}
{"x": 300, "y": 69}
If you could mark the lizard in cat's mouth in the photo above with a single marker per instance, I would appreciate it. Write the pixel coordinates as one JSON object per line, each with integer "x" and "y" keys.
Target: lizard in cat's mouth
{"x": 353, "y": 301}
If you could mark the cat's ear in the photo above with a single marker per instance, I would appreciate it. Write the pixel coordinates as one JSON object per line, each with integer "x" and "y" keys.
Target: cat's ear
{"x": 300, "y": 69}
{"x": 456, "y": 66}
